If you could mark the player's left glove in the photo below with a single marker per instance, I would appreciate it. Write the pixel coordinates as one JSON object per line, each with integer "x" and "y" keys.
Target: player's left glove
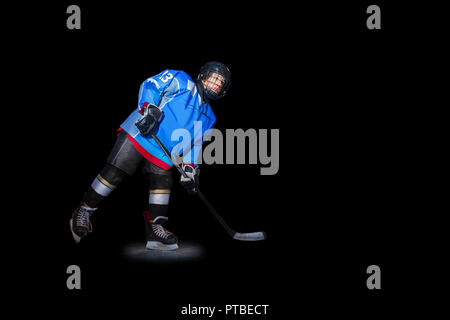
{"x": 150, "y": 117}
{"x": 190, "y": 183}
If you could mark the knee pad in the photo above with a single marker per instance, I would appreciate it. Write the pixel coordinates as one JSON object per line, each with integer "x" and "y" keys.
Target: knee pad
{"x": 159, "y": 178}
{"x": 112, "y": 175}
{"x": 161, "y": 181}
{"x": 105, "y": 182}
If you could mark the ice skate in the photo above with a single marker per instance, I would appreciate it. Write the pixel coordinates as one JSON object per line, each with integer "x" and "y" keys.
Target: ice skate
{"x": 80, "y": 224}
{"x": 158, "y": 238}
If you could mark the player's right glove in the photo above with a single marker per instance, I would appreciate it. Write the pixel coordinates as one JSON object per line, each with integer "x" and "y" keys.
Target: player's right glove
{"x": 190, "y": 183}
{"x": 150, "y": 117}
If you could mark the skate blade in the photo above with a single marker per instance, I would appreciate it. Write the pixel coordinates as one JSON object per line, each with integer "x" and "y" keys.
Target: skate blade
{"x": 155, "y": 245}
{"x": 75, "y": 237}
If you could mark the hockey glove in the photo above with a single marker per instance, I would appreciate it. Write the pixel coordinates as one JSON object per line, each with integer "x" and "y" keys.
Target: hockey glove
{"x": 149, "y": 119}
{"x": 190, "y": 183}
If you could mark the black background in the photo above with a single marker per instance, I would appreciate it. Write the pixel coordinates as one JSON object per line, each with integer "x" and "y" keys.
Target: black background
{"x": 343, "y": 198}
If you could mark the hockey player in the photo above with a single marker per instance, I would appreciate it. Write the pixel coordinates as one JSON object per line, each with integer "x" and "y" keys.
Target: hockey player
{"x": 168, "y": 101}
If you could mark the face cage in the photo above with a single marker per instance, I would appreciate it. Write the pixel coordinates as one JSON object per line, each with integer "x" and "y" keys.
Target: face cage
{"x": 210, "y": 93}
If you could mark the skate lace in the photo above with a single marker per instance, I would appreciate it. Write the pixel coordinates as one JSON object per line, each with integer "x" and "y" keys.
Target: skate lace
{"x": 82, "y": 219}
{"x": 160, "y": 231}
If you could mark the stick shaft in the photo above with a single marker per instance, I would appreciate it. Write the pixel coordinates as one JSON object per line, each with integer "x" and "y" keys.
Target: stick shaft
{"x": 214, "y": 212}
{"x": 166, "y": 152}
{"x": 211, "y": 209}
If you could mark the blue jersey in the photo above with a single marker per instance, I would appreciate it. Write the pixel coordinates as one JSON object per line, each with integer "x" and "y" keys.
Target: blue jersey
{"x": 175, "y": 93}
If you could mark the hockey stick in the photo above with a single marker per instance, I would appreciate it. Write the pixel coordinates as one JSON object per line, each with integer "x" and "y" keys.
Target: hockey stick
{"x": 250, "y": 236}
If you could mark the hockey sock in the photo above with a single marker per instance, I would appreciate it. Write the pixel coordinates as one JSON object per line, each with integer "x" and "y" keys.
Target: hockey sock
{"x": 105, "y": 182}
{"x": 158, "y": 204}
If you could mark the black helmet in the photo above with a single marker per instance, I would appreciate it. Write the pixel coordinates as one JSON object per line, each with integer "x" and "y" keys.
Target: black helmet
{"x": 205, "y": 72}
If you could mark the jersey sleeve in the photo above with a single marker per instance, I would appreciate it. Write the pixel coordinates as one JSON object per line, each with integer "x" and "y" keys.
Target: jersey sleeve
{"x": 153, "y": 90}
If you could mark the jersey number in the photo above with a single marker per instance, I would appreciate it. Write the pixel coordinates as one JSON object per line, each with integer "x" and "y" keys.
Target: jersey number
{"x": 166, "y": 76}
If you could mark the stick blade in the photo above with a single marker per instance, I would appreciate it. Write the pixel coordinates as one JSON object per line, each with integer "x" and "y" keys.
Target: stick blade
{"x": 251, "y": 236}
